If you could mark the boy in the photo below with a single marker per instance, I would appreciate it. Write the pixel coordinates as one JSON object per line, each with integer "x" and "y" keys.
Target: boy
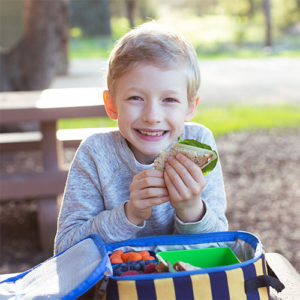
{"x": 112, "y": 188}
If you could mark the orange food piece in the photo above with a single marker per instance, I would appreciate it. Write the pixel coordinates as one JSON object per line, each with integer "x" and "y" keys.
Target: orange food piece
{"x": 119, "y": 256}
{"x": 125, "y": 256}
{"x": 115, "y": 257}
{"x": 134, "y": 256}
{"x": 150, "y": 258}
{"x": 116, "y": 260}
{"x": 117, "y": 252}
{"x": 144, "y": 253}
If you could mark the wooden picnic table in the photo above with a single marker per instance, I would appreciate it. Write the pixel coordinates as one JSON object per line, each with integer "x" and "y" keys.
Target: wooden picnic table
{"x": 46, "y": 108}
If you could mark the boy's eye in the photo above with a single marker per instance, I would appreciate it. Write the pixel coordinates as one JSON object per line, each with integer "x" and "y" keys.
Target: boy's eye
{"x": 170, "y": 100}
{"x": 135, "y": 98}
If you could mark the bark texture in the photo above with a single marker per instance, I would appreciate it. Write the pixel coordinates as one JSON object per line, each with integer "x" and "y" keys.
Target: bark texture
{"x": 130, "y": 8}
{"x": 267, "y": 13}
{"x": 31, "y": 64}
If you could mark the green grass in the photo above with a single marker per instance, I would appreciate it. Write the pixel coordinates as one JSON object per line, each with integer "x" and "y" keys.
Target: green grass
{"x": 101, "y": 47}
{"x": 220, "y": 119}
{"x": 86, "y": 123}
{"x": 90, "y": 47}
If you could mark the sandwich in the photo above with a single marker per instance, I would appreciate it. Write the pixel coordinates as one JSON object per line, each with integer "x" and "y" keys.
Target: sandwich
{"x": 199, "y": 153}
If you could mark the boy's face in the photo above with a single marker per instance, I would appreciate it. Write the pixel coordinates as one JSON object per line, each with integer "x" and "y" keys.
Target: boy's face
{"x": 151, "y": 106}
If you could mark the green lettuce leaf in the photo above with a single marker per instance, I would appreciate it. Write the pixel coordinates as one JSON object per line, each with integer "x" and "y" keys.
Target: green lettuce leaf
{"x": 195, "y": 143}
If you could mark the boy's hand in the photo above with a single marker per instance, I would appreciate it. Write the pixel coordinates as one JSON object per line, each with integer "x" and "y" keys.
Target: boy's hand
{"x": 146, "y": 190}
{"x": 185, "y": 183}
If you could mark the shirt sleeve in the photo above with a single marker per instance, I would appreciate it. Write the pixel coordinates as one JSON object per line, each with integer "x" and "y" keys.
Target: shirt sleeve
{"x": 83, "y": 211}
{"x": 214, "y": 197}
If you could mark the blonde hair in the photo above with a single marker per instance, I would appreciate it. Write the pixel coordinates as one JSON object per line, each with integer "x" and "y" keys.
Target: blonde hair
{"x": 155, "y": 44}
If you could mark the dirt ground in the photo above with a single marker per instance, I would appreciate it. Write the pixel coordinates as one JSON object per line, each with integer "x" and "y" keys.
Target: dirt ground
{"x": 262, "y": 179}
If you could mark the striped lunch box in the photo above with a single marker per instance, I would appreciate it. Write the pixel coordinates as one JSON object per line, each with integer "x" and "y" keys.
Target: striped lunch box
{"x": 72, "y": 273}
{"x": 248, "y": 279}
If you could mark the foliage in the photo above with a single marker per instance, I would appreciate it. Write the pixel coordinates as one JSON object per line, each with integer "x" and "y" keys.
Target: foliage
{"x": 91, "y": 16}
{"x": 96, "y": 47}
{"x": 242, "y": 9}
{"x": 217, "y": 36}
{"x": 225, "y": 28}
{"x": 286, "y": 13}
{"x": 220, "y": 119}
{"x": 145, "y": 9}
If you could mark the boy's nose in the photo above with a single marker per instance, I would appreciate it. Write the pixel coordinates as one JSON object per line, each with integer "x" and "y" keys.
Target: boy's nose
{"x": 152, "y": 114}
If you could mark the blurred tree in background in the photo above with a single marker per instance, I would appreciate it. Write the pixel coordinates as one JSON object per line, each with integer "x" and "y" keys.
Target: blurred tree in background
{"x": 136, "y": 11}
{"x": 32, "y": 62}
{"x": 286, "y": 12}
{"x": 91, "y": 16}
{"x": 281, "y": 14}
{"x": 130, "y": 8}
{"x": 268, "y": 23}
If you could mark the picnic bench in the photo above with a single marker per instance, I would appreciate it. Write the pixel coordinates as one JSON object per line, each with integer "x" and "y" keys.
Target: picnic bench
{"x": 46, "y": 108}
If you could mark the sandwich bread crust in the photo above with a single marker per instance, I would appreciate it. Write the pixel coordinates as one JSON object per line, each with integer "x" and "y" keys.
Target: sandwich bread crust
{"x": 201, "y": 159}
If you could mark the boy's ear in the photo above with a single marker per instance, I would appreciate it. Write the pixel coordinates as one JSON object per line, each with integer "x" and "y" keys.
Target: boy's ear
{"x": 109, "y": 105}
{"x": 191, "y": 110}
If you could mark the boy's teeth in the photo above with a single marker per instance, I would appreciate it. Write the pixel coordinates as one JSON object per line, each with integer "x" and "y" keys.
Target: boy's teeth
{"x": 152, "y": 133}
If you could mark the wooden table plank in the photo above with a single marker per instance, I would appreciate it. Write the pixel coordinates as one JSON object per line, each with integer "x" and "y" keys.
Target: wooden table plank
{"x": 32, "y": 184}
{"x": 50, "y": 105}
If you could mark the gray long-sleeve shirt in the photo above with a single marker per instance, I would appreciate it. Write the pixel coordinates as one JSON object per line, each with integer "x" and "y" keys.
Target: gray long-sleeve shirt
{"x": 98, "y": 187}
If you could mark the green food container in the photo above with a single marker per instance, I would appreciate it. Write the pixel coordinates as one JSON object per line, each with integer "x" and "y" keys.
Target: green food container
{"x": 202, "y": 258}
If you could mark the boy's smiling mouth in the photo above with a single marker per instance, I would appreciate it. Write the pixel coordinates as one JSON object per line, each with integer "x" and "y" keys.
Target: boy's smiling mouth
{"x": 150, "y": 133}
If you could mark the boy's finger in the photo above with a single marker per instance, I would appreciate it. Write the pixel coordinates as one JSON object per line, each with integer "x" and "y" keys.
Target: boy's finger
{"x": 157, "y": 201}
{"x": 149, "y": 173}
{"x": 185, "y": 187}
{"x": 142, "y": 181}
{"x": 178, "y": 172}
{"x": 174, "y": 173}
{"x": 153, "y": 193}
{"x": 151, "y": 182}
{"x": 148, "y": 203}
{"x": 192, "y": 169}
{"x": 146, "y": 183}
{"x": 191, "y": 175}
{"x": 182, "y": 179}
{"x": 173, "y": 193}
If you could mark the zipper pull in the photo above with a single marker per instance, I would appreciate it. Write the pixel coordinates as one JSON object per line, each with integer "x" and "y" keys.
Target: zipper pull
{"x": 101, "y": 288}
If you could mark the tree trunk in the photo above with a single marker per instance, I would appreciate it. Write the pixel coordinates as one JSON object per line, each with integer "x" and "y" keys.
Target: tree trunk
{"x": 32, "y": 63}
{"x": 267, "y": 13}
{"x": 130, "y": 7}
{"x": 251, "y": 8}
